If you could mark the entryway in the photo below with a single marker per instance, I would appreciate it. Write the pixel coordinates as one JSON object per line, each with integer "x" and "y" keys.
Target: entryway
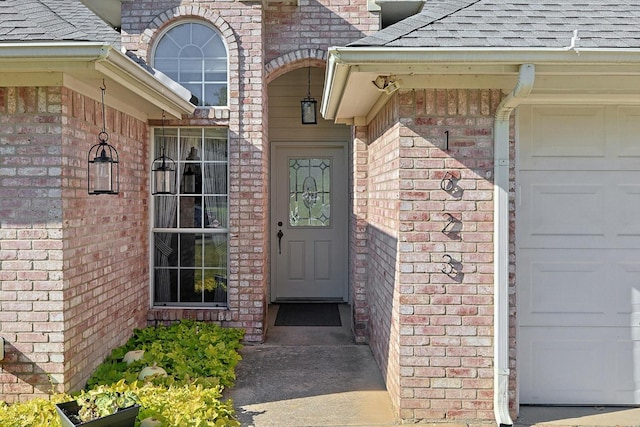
{"x": 309, "y": 182}
{"x": 309, "y": 223}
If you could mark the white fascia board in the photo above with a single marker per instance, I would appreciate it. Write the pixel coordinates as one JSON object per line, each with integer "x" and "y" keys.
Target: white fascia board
{"x": 414, "y": 63}
{"x": 95, "y": 60}
{"x": 174, "y": 99}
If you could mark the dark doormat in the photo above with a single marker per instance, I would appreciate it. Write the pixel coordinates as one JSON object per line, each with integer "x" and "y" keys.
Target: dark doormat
{"x": 308, "y": 314}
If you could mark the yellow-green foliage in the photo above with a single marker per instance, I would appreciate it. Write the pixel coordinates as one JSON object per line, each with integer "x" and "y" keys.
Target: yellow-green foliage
{"x": 199, "y": 358}
{"x": 35, "y": 412}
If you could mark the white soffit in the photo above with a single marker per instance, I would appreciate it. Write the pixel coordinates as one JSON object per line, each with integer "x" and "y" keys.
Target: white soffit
{"x": 596, "y": 75}
{"x": 109, "y": 10}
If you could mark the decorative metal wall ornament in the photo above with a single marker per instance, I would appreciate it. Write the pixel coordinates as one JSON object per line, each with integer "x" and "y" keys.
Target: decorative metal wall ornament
{"x": 163, "y": 170}
{"x": 308, "y": 105}
{"x": 103, "y": 167}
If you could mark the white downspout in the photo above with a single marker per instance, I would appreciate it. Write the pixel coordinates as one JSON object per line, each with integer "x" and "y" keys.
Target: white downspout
{"x": 522, "y": 89}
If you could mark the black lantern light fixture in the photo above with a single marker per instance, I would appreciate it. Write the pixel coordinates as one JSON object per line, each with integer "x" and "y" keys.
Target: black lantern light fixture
{"x": 190, "y": 174}
{"x": 103, "y": 167}
{"x": 163, "y": 171}
{"x": 308, "y": 105}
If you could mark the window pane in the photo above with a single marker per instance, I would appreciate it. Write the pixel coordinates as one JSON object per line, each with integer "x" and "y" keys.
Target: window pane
{"x": 215, "y": 178}
{"x": 214, "y": 48}
{"x": 190, "y": 263}
{"x": 201, "y": 35}
{"x": 169, "y": 67}
{"x": 190, "y": 212}
{"x": 165, "y": 286}
{"x": 310, "y": 192}
{"x": 215, "y": 214}
{"x": 167, "y": 48}
{"x": 188, "y": 292}
{"x": 215, "y": 148}
{"x": 215, "y": 252}
{"x": 191, "y": 70}
{"x": 166, "y": 249}
{"x": 181, "y": 34}
{"x": 165, "y": 209}
{"x": 218, "y": 292}
{"x": 194, "y": 53}
{"x": 215, "y": 94}
{"x": 195, "y": 89}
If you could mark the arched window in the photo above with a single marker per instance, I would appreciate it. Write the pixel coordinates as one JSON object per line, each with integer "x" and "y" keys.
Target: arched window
{"x": 194, "y": 55}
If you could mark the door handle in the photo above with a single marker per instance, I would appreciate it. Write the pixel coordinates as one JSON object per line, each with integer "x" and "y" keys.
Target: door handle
{"x": 280, "y": 234}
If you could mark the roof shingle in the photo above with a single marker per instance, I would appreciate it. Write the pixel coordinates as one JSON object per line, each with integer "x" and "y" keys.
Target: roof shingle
{"x": 52, "y": 20}
{"x": 515, "y": 23}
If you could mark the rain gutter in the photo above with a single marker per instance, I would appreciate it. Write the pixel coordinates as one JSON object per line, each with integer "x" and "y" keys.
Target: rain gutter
{"x": 344, "y": 60}
{"x": 526, "y": 79}
{"x": 67, "y": 57}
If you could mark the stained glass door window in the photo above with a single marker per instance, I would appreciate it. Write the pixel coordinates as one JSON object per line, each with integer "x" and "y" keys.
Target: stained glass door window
{"x": 310, "y": 192}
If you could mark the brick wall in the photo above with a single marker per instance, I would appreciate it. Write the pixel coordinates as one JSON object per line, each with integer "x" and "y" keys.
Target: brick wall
{"x": 382, "y": 242}
{"x": 74, "y": 267}
{"x": 240, "y": 24}
{"x": 31, "y": 247}
{"x": 444, "y": 335}
{"x": 358, "y": 233}
{"x": 311, "y": 25}
{"x": 106, "y": 244}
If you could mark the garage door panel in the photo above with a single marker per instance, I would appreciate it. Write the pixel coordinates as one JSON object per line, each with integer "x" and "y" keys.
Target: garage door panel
{"x": 629, "y": 129}
{"x": 567, "y": 369}
{"x": 578, "y": 254}
{"x": 575, "y": 132}
{"x": 569, "y": 209}
{"x": 578, "y": 288}
{"x": 625, "y": 212}
{"x": 547, "y": 137}
{"x": 626, "y": 300}
{"x": 567, "y": 287}
{"x": 625, "y": 356}
{"x": 585, "y": 209}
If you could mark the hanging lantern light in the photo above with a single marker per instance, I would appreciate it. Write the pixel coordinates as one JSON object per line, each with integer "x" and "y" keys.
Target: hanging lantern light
{"x": 102, "y": 162}
{"x": 190, "y": 174}
{"x": 308, "y": 105}
{"x": 163, "y": 171}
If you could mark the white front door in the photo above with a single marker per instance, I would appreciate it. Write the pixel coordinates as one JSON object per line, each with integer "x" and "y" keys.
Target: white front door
{"x": 578, "y": 255}
{"x": 309, "y": 223}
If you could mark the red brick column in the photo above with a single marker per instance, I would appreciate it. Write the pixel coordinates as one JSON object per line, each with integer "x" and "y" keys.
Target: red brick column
{"x": 31, "y": 242}
{"x": 439, "y": 345}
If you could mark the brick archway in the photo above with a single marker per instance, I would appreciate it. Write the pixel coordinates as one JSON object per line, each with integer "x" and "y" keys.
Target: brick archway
{"x": 149, "y": 36}
{"x": 294, "y": 60}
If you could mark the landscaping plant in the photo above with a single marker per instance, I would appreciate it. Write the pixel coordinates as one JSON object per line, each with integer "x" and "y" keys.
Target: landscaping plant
{"x": 198, "y": 358}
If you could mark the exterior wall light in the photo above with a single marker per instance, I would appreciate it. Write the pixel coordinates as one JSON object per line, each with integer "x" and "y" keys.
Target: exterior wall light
{"x": 308, "y": 105}
{"x": 191, "y": 176}
{"x": 103, "y": 167}
{"x": 163, "y": 171}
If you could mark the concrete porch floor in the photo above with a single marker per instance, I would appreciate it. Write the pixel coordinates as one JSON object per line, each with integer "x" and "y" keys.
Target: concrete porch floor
{"x": 317, "y": 376}
{"x": 310, "y": 376}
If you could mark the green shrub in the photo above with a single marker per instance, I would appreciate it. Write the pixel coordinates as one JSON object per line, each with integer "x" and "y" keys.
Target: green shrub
{"x": 35, "y": 412}
{"x": 199, "y": 358}
{"x": 188, "y": 351}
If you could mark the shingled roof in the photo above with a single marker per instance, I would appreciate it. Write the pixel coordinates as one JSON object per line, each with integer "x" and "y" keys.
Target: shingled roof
{"x": 52, "y": 20}
{"x": 515, "y": 23}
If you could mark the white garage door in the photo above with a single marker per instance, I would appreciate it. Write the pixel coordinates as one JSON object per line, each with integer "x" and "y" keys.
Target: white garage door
{"x": 578, "y": 254}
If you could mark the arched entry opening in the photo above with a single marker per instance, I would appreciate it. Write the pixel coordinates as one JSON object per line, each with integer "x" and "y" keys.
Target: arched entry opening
{"x": 309, "y": 194}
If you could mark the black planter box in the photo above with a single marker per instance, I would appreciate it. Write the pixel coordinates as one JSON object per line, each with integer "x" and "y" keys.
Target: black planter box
{"x": 123, "y": 418}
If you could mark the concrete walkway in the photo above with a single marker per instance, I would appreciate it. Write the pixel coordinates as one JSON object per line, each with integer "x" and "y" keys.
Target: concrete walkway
{"x": 310, "y": 376}
{"x": 317, "y": 376}
{"x": 578, "y": 416}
